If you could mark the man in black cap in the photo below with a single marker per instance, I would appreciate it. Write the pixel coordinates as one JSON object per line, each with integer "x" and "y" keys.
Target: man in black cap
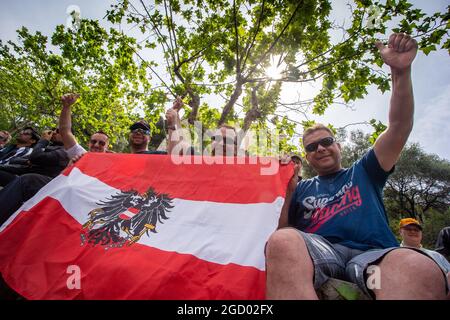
{"x": 140, "y": 138}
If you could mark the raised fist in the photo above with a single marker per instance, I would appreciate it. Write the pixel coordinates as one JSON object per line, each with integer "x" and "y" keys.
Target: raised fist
{"x": 177, "y": 104}
{"x": 47, "y": 135}
{"x": 399, "y": 52}
{"x": 69, "y": 99}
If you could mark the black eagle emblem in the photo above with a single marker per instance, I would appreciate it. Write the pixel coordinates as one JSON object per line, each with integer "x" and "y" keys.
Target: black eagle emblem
{"x": 123, "y": 218}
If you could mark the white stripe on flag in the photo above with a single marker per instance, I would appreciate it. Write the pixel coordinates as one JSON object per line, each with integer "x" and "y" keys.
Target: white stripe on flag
{"x": 217, "y": 232}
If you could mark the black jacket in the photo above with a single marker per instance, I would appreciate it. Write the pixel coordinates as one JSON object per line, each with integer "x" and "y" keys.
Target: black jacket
{"x": 46, "y": 159}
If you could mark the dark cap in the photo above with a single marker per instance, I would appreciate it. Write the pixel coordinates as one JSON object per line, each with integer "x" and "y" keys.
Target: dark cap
{"x": 34, "y": 134}
{"x": 141, "y": 124}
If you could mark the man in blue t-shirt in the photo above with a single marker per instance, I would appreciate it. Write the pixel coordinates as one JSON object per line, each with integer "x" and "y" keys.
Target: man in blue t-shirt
{"x": 335, "y": 224}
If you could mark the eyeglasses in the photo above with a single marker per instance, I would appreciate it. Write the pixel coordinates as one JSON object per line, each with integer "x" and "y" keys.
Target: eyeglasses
{"x": 226, "y": 140}
{"x": 325, "y": 142}
{"x": 100, "y": 142}
{"x": 141, "y": 131}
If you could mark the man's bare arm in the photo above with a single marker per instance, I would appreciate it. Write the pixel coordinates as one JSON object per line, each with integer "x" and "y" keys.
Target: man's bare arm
{"x": 399, "y": 55}
{"x": 65, "y": 121}
{"x": 175, "y": 142}
{"x": 292, "y": 185}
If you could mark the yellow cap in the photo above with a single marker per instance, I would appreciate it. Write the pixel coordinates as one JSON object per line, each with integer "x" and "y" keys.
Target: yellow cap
{"x": 407, "y": 221}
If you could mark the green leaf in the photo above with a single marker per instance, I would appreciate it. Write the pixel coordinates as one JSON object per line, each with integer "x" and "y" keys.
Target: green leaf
{"x": 428, "y": 49}
{"x": 347, "y": 292}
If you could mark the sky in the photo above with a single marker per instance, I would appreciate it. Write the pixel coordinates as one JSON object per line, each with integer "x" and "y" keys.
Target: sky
{"x": 430, "y": 74}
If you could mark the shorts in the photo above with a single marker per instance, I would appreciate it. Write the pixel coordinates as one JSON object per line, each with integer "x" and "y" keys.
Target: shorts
{"x": 341, "y": 262}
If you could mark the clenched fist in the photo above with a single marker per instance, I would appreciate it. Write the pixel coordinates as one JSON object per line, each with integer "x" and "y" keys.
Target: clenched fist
{"x": 399, "y": 52}
{"x": 47, "y": 135}
{"x": 172, "y": 116}
{"x": 69, "y": 99}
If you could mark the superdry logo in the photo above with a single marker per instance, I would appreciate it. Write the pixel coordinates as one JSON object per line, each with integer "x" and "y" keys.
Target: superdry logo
{"x": 349, "y": 201}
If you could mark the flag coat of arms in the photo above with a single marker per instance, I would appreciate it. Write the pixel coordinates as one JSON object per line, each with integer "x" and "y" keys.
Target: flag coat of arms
{"x": 142, "y": 227}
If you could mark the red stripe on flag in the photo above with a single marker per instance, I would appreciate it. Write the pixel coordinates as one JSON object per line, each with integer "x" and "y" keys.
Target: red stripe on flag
{"x": 37, "y": 248}
{"x": 133, "y": 210}
{"x": 237, "y": 183}
{"x": 127, "y": 215}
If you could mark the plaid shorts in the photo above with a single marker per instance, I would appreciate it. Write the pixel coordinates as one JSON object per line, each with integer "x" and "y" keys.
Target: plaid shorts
{"x": 340, "y": 262}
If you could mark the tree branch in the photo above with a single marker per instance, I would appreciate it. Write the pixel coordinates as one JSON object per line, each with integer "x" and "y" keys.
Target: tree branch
{"x": 250, "y": 44}
{"x": 275, "y": 41}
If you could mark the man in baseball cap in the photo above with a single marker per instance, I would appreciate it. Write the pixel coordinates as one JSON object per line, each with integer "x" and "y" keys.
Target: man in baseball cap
{"x": 140, "y": 138}
{"x": 411, "y": 233}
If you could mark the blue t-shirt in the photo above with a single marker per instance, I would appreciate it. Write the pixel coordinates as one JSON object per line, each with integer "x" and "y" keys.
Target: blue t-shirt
{"x": 345, "y": 207}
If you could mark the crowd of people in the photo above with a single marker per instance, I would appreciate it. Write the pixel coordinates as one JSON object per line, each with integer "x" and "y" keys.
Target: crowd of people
{"x": 333, "y": 225}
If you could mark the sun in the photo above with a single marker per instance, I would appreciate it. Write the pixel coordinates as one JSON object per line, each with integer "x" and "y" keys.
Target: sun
{"x": 275, "y": 69}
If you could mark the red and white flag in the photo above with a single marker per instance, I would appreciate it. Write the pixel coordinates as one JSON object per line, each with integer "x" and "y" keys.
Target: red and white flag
{"x": 121, "y": 226}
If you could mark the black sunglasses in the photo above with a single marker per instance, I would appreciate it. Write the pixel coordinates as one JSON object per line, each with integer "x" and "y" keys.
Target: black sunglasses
{"x": 325, "y": 142}
{"x": 142, "y": 131}
{"x": 100, "y": 142}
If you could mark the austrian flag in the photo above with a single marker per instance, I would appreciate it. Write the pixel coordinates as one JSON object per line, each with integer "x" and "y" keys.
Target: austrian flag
{"x": 142, "y": 227}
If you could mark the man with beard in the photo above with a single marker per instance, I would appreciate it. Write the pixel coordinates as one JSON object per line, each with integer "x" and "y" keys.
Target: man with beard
{"x": 98, "y": 141}
{"x": 139, "y": 138}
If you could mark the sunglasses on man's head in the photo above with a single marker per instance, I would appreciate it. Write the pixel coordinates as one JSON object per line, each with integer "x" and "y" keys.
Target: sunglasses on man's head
{"x": 325, "y": 142}
{"x": 100, "y": 142}
{"x": 142, "y": 131}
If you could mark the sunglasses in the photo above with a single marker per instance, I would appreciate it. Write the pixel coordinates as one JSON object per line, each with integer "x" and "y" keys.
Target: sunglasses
{"x": 100, "y": 142}
{"x": 325, "y": 142}
{"x": 226, "y": 140}
{"x": 142, "y": 131}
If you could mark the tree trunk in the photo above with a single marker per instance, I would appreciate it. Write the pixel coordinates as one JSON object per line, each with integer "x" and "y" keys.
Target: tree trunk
{"x": 229, "y": 106}
{"x": 194, "y": 103}
{"x": 254, "y": 112}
